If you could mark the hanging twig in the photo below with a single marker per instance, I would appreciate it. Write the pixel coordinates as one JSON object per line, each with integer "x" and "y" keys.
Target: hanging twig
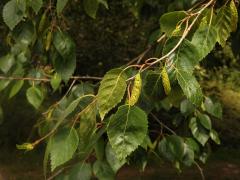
{"x": 162, "y": 124}
{"x": 200, "y": 170}
{"x": 2, "y": 77}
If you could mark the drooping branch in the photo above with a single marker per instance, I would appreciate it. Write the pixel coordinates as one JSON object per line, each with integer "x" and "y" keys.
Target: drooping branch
{"x": 2, "y": 77}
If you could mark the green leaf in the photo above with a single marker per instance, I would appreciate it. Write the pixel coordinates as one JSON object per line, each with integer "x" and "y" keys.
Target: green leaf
{"x": 172, "y": 148}
{"x": 6, "y": 62}
{"x": 4, "y": 84}
{"x": 87, "y": 126}
{"x": 184, "y": 58}
{"x": 63, "y": 146}
{"x": 64, "y": 61}
{"x": 112, "y": 159}
{"x": 72, "y": 106}
{"x": 46, "y": 157}
{"x": 81, "y": 171}
{"x": 215, "y": 109}
{"x": 64, "y": 44}
{"x": 35, "y": 4}
{"x": 104, "y": 3}
{"x": 214, "y": 136}
{"x": 190, "y": 87}
{"x": 60, "y": 5}
{"x": 186, "y": 107}
{"x": 192, "y": 144}
{"x": 204, "y": 39}
{"x": 100, "y": 149}
{"x": 205, "y": 121}
{"x": 24, "y": 35}
{"x": 188, "y": 157}
{"x": 154, "y": 87}
{"x": 169, "y": 21}
{"x": 199, "y": 133}
{"x": 126, "y": 130}
{"x": 13, "y": 12}
{"x": 16, "y": 88}
{"x": 35, "y": 96}
{"x": 111, "y": 91}
{"x": 224, "y": 24}
{"x": 103, "y": 171}
{"x": 55, "y": 81}
{"x": 91, "y": 7}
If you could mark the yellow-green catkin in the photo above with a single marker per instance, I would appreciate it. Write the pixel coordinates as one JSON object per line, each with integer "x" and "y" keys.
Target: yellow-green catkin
{"x": 166, "y": 81}
{"x": 25, "y": 146}
{"x": 136, "y": 90}
{"x": 42, "y": 22}
{"x": 48, "y": 40}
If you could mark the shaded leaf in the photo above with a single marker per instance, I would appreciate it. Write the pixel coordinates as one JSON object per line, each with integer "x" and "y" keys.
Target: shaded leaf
{"x": 192, "y": 144}
{"x": 6, "y": 62}
{"x": 214, "y": 136}
{"x": 172, "y": 148}
{"x": 55, "y": 81}
{"x": 190, "y": 87}
{"x": 35, "y": 4}
{"x": 186, "y": 107}
{"x": 87, "y": 126}
{"x": 215, "y": 109}
{"x": 13, "y": 12}
{"x": 188, "y": 157}
{"x": 64, "y": 61}
{"x": 100, "y": 149}
{"x": 81, "y": 171}
{"x": 35, "y": 96}
{"x": 205, "y": 121}
{"x": 224, "y": 21}
{"x": 63, "y": 145}
{"x": 169, "y": 21}
{"x": 184, "y": 58}
{"x": 112, "y": 159}
{"x": 16, "y": 88}
{"x": 126, "y": 130}
{"x": 91, "y": 7}
{"x": 199, "y": 133}
{"x": 24, "y": 35}
{"x": 64, "y": 44}
{"x": 204, "y": 39}
{"x": 60, "y": 5}
{"x": 4, "y": 84}
{"x": 154, "y": 86}
{"x": 103, "y": 171}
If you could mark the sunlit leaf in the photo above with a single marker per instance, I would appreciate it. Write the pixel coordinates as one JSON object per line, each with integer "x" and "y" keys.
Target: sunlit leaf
{"x": 111, "y": 91}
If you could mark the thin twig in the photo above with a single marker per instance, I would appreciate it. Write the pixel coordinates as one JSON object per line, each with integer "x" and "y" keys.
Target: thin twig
{"x": 162, "y": 124}
{"x": 48, "y": 79}
{"x": 187, "y": 30}
{"x": 200, "y": 170}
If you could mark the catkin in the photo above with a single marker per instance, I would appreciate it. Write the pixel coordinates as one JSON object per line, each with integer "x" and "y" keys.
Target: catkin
{"x": 136, "y": 90}
{"x": 48, "y": 40}
{"x": 165, "y": 81}
{"x": 42, "y": 22}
